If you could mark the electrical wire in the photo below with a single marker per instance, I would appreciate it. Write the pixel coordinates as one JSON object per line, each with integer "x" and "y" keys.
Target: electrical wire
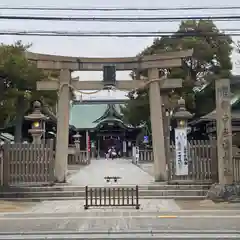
{"x": 118, "y": 34}
{"x": 121, "y": 8}
{"x": 121, "y": 19}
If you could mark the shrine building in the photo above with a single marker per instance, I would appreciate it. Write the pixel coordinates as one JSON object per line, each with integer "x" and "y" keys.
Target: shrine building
{"x": 103, "y": 126}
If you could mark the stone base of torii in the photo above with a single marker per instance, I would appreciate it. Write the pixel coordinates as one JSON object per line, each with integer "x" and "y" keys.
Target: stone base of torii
{"x": 157, "y": 87}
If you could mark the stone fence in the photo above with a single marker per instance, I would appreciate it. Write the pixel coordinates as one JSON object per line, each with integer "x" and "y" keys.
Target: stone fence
{"x": 77, "y": 156}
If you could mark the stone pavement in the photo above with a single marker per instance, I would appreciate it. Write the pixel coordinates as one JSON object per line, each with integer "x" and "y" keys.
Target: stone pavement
{"x": 72, "y": 206}
{"x": 128, "y": 223}
{"x": 94, "y": 173}
{"x": 147, "y": 167}
{"x": 8, "y": 206}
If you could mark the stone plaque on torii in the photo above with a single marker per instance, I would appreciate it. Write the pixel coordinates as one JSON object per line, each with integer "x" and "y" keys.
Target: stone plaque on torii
{"x": 68, "y": 64}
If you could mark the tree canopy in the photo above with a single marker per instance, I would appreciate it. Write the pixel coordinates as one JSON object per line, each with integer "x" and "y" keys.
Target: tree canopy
{"x": 211, "y": 59}
{"x": 18, "y": 79}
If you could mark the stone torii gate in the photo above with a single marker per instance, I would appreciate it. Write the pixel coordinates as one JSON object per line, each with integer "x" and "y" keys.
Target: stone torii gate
{"x": 150, "y": 63}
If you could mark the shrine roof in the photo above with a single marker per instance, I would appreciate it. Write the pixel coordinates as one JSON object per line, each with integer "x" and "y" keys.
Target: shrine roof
{"x": 88, "y": 116}
{"x": 235, "y": 111}
{"x": 82, "y": 116}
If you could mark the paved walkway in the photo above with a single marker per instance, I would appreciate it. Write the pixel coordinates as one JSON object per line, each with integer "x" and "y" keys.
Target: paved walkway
{"x": 77, "y": 206}
{"x": 147, "y": 167}
{"x": 94, "y": 173}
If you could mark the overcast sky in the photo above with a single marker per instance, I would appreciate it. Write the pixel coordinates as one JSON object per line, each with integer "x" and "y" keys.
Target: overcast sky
{"x": 103, "y": 47}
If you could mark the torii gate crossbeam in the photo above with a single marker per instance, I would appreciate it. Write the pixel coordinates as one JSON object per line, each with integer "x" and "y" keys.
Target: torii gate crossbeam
{"x": 68, "y": 64}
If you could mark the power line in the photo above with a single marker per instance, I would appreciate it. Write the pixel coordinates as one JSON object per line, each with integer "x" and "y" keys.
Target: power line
{"x": 120, "y": 32}
{"x": 122, "y": 8}
{"x": 121, "y": 19}
{"x": 116, "y": 34}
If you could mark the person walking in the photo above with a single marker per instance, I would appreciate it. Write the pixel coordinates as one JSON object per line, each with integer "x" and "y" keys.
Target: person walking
{"x": 113, "y": 153}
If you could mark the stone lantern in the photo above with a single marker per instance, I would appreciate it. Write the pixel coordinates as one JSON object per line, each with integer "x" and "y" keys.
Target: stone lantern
{"x": 37, "y": 119}
{"x": 181, "y": 144}
{"x": 76, "y": 138}
{"x": 182, "y": 115}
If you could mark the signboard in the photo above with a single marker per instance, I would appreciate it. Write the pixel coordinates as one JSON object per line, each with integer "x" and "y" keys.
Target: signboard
{"x": 145, "y": 139}
{"x": 89, "y": 144}
{"x": 181, "y": 160}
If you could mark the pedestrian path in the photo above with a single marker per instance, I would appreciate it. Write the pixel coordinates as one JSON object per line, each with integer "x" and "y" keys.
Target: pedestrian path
{"x": 75, "y": 206}
{"x": 94, "y": 174}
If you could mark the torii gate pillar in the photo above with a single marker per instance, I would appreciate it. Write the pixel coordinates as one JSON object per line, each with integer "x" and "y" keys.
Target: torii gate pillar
{"x": 155, "y": 100}
{"x": 62, "y": 126}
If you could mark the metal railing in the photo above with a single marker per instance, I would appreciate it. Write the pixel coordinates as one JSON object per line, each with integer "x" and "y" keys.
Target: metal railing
{"x": 111, "y": 197}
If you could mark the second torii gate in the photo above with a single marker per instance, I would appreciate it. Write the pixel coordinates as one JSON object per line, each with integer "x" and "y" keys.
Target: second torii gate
{"x": 68, "y": 64}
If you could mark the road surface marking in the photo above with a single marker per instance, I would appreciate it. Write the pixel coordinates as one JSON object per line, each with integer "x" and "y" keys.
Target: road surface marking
{"x": 166, "y": 216}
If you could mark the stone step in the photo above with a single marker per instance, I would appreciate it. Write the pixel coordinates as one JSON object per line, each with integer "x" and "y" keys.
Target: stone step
{"x": 39, "y": 199}
{"x": 61, "y": 188}
{"x": 81, "y": 193}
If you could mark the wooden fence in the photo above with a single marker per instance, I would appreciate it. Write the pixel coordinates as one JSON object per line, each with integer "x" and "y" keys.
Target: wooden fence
{"x": 27, "y": 164}
{"x": 1, "y": 165}
{"x": 236, "y": 164}
{"x": 202, "y": 161}
{"x": 79, "y": 158}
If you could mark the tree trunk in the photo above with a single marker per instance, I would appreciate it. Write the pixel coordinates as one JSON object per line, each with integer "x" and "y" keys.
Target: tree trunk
{"x": 20, "y": 111}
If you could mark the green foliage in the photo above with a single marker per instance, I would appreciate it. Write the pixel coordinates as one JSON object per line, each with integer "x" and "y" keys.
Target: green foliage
{"x": 196, "y": 72}
{"x": 18, "y": 79}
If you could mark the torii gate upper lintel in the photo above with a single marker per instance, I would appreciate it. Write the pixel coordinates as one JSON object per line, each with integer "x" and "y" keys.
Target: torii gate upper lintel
{"x": 68, "y": 64}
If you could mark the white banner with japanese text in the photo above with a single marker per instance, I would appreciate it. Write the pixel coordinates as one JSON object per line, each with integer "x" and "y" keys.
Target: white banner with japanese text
{"x": 181, "y": 159}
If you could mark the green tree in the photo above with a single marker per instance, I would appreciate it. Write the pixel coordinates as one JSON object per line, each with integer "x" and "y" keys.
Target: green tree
{"x": 211, "y": 49}
{"x": 18, "y": 79}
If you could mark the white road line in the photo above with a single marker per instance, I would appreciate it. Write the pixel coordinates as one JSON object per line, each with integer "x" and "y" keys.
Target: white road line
{"x": 116, "y": 217}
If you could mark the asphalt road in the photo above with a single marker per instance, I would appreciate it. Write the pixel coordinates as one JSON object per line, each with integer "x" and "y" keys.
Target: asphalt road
{"x": 89, "y": 225}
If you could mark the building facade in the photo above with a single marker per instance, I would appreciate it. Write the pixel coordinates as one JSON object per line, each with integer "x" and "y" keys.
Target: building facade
{"x": 102, "y": 126}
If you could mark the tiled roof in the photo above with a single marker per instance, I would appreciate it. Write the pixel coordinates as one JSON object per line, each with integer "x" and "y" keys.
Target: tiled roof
{"x": 82, "y": 116}
{"x": 234, "y": 103}
{"x": 89, "y": 116}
